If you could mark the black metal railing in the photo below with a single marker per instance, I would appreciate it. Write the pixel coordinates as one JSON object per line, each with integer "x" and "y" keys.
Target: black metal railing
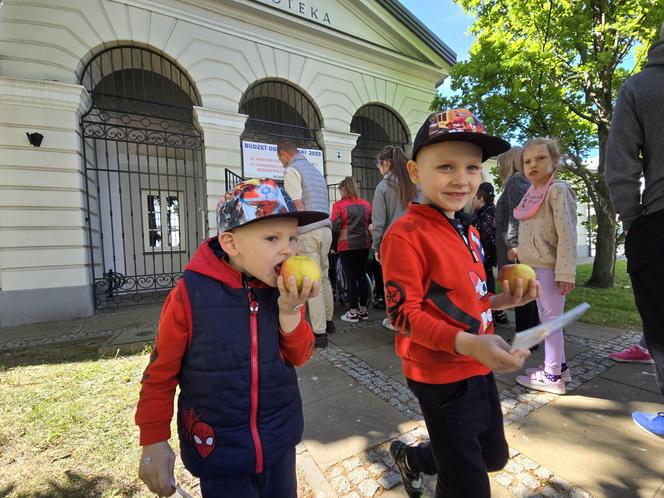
{"x": 231, "y": 178}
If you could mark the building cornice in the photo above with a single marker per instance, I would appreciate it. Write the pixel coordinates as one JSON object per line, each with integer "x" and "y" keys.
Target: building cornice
{"x": 214, "y": 119}
{"x": 44, "y": 94}
{"x": 338, "y": 138}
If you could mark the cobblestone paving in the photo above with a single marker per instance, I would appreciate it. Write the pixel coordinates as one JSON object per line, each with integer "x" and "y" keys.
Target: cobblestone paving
{"x": 372, "y": 471}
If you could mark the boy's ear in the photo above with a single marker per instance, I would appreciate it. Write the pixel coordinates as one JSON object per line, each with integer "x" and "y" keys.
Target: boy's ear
{"x": 228, "y": 243}
{"x": 413, "y": 171}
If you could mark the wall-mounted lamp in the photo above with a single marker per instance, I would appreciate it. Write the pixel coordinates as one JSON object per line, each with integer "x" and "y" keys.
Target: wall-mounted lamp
{"x": 35, "y": 138}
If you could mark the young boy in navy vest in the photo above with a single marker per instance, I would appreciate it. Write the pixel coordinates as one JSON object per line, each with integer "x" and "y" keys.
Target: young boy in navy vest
{"x": 229, "y": 335}
{"x": 437, "y": 298}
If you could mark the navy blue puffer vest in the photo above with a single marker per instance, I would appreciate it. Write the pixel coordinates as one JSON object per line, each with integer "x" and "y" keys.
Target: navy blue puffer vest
{"x": 239, "y": 407}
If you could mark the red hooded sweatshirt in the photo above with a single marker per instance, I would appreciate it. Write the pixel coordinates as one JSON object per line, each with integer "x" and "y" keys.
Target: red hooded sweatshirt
{"x": 155, "y": 406}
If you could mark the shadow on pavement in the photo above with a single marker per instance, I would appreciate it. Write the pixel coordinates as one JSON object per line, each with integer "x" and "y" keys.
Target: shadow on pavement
{"x": 51, "y": 354}
{"x": 76, "y": 485}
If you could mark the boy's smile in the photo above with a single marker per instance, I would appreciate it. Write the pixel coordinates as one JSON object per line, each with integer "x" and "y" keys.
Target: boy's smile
{"x": 449, "y": 174}
{"x": 259, "y": 249}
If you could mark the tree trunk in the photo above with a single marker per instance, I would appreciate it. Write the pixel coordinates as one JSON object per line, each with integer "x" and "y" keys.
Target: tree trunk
{"x": 605, "y": 250}
{"x": 605, "y": 242}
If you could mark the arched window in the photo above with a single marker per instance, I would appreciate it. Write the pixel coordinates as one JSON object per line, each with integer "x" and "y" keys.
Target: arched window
{"x": 378, "y": 126}
{"x": 144, "y": 174}
{"x": 277, "y": 110}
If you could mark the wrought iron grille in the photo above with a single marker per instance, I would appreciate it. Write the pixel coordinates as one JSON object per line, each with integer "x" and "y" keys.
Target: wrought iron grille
{"x": 144, "y": 175}
{"x": 277, "y": 111}
{"x": 378, "y": 127}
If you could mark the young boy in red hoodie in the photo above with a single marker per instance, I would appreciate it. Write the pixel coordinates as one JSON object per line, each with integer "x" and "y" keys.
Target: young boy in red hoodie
{"x": 229, "y": 335}
{"x": 437, "y": 298}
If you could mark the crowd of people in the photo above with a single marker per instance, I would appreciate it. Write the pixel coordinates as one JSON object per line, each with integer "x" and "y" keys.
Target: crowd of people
{"x": 240, "y": 412}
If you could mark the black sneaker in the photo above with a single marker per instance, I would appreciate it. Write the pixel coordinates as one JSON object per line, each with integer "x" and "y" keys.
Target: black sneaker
{"x": 330, "y": 328}
{"x": 379, "y": 304}
{"x": 413, "y": 482}
{"x": 501, "y": 317}
{"x": 320, "y": 341}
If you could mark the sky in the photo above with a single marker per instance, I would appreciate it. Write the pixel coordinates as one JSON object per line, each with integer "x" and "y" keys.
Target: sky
{"x": 449, "y": 22}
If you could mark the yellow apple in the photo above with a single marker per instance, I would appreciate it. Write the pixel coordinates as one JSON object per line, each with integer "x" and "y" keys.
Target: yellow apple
{"x": 300, "y": 267}
{"x": 512, "y": 272}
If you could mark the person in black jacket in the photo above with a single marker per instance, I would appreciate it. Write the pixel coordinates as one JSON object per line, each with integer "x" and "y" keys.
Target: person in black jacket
{"x": 485, "y": 222}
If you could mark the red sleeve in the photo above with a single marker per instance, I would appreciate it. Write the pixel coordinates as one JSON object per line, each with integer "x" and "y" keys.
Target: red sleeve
{"x": 335, "y": 211}
{"x": 155, "y": 405}
{"x": 404, "y": 287}
{"x": 298, "y": 346}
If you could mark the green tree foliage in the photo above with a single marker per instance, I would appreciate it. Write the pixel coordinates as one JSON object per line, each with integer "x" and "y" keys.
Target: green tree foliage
{"x": 553, "y": 68}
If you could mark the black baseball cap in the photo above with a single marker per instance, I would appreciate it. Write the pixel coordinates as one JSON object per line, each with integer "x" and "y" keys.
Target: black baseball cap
{"x": 486, "y": 187}
{"x": 460, "y": 125}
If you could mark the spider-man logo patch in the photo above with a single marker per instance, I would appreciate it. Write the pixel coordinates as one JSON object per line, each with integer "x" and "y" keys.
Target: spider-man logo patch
{"x": 199, "y": 433}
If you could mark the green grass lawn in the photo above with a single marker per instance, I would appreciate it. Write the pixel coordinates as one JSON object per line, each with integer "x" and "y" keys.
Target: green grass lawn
{"x": 613, "y": 307}
{"x": 66, "y": 423}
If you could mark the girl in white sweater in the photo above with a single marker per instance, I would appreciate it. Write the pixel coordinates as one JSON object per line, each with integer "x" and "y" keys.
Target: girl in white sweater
{"x": 547, "y": 242}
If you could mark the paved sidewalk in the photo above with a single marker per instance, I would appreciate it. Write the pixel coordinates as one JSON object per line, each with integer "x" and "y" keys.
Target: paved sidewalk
{"x": 356, "y": 401}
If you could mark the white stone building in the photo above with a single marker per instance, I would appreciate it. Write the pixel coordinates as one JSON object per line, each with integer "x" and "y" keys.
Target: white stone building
{"x": 143, "y": 108}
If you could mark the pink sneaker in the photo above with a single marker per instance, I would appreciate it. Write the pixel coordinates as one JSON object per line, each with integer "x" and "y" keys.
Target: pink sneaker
{"x": 565, "y": 374}
{"x": 539, "y": 382}
{"x": 633, "y": 354}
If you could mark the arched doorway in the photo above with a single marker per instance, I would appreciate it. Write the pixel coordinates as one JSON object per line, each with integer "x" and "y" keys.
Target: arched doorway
{"x": 378, "y": 126}
{"x": 144, "y": 174}
{"x": 278, "y": 110}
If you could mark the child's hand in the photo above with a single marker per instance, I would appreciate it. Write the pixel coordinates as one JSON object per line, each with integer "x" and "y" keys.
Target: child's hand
{"x": 290, "y": 300}
{"x": 564, "y": 288}
{"x": 506, "y": 299}
{"x": 513, "y": 253}
{"x": 490, "y": 350}
{"x": 156, "y": 469}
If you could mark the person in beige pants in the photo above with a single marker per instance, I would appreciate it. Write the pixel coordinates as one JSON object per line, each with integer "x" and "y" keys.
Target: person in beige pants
{"x": 306, "y": 186}
{"x": 316, "y": 244}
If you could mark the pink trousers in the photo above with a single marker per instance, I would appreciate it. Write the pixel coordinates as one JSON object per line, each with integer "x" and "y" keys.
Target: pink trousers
{"x": 551, "y": 305}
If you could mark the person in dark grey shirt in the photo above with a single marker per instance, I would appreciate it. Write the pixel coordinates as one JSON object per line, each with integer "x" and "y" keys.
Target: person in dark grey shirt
{"x": 391, "y": 197}
{"x": 635, "y": 147}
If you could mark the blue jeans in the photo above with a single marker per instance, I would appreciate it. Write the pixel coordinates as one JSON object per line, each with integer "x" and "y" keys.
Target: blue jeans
{"x": 466, "y": 435}
{"x": 279, "y": 481}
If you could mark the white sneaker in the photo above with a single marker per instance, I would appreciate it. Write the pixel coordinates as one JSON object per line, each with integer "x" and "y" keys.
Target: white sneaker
{"x": 350, "y": 317}
{"x": 565, "y": 374}
{"x": 539, "y": 382}
{"x": 387, "y": 324}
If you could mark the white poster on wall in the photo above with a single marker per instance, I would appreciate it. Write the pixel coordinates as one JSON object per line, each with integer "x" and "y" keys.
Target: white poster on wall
{"x": 260, "y": 160}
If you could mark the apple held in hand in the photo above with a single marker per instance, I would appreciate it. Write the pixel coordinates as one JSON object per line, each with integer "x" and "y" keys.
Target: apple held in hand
{"x": 512, "y": 272}
{"x": 300, "y": 267}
